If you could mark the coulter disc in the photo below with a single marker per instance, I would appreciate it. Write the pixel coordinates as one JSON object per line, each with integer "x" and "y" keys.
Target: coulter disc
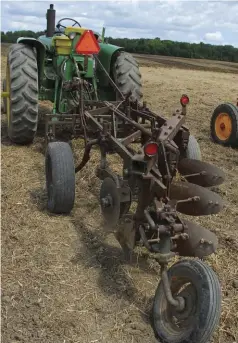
{"x": 110, "y": 203}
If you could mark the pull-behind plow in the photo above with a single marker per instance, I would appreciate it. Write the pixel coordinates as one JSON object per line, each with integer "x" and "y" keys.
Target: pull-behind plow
{"x": 83, "y": 77}
{"x": 158, "y": 176}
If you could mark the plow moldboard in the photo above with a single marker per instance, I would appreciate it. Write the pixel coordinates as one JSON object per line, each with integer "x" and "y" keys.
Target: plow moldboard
{"x": 213, "y": 176}
{"x": 208, "y": 203}
{"x": 201, "y": 242}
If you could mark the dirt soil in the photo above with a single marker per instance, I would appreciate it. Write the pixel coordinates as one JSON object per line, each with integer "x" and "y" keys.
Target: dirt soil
{"x": 187, "y": 63}
{"x": 63, "y": 279}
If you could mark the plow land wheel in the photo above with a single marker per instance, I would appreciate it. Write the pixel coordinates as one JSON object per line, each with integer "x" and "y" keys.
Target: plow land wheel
{"x": 22, "y": 85}
{"x": 193, "y": 149}
{"x": 60, "y": 177}
{"x": 199, "y": 286}
{"x": 224, "y": 125}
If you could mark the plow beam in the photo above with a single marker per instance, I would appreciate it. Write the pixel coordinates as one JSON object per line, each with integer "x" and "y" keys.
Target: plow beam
{"x": 201, "y": 173}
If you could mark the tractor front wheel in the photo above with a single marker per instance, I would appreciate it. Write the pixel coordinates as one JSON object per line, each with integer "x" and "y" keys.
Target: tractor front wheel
{"x": 22, "y": 85}
{"x": 127, "y": 76}
{"x": 60, "y": 177}
{"x": 224, "y": 125}
{"x": 199, "y": 286}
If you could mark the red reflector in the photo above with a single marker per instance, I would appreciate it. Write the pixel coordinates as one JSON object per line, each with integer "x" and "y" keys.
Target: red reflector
{"x": 151, "y": 149}
{"x": 184, "y": 100}
{"x": 87, "y": 44}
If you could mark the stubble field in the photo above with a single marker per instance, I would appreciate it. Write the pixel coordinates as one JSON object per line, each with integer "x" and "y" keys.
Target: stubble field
{"x": 63, "y": 279}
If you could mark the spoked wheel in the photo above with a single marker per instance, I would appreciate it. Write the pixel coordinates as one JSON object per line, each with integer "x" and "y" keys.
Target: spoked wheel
{"x": 199, "y": 286}
{"x": 60, "y": 177}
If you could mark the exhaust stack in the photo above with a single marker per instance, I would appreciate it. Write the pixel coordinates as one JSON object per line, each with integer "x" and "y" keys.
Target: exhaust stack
{"x": 50, "y": 20}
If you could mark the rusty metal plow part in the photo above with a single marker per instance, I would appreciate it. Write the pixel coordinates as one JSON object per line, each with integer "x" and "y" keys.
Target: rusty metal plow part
{"x": 110, "y": 203}
{"x": 195, "y": 200}
{"x": 125, "y": 234}
{"x": 196, "y": 241}
{"x": 201, "y": 173}
{"x": 115, "y": 201}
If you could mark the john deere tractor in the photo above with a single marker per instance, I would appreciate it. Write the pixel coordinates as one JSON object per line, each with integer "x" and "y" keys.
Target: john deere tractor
{"x": 39, "y": 69}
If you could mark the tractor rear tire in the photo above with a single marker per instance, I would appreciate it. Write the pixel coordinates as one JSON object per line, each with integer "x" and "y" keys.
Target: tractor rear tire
{"x": 224, "y": 125}
{"x": 127, "y": 76}
{"x": 4, "y": 100}
{"x": 60, "y": 177}
{"x": 193, "y": 150}
{"x": 22, "y": 84}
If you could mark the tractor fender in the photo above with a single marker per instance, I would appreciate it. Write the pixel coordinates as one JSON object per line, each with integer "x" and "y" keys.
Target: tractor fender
{"x": 106, "y": 56}
{"x": 40, "y": 48}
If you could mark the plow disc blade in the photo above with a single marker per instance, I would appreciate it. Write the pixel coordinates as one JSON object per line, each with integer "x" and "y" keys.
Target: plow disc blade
{"x": 205, "y": 203}
{"x": 200, "y": 243}
{"x": 210, "y": 175}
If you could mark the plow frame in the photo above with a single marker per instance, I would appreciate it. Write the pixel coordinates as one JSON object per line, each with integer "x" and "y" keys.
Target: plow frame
{"x": 141, "y": 126}
{"x": 146, "y": 180}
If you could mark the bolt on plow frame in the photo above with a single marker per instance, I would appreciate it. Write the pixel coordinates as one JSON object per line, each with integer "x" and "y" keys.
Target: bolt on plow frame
{"x": 163, "y": 182}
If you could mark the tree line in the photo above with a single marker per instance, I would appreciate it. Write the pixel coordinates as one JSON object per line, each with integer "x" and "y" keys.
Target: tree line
{"x": 154, "y": 46}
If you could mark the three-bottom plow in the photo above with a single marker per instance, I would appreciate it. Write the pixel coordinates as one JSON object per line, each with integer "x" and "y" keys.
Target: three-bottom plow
{"x": 159, "y": 177}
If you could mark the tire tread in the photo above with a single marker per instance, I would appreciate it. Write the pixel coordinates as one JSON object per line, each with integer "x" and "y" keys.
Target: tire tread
{"x": 127, "y": 75}
{"x": 23, "y": 93}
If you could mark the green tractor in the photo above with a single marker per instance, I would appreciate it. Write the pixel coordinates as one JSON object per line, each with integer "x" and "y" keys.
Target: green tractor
{"x": 39, "y": 69}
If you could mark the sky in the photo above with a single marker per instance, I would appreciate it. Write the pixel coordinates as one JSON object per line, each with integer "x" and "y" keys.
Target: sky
{"x": 214, "y": 22}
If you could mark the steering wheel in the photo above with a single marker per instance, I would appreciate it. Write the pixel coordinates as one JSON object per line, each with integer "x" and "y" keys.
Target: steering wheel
{"x": 60, "y": 25}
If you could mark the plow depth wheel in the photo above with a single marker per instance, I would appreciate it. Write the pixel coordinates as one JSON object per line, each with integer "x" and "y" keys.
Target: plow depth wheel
{"x": 60, "y": 177}
{"x": 224, "y": 125}
{"x": 197, "y": 283}
{"x": 193, "y": 150}
{"x": 22, "y": 85}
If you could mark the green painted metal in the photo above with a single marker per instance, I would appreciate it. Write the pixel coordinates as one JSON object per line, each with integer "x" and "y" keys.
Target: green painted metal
{"x": 53, "y": 69}
{"x": 46, "y": 41}
{"x": 106, "y": 54}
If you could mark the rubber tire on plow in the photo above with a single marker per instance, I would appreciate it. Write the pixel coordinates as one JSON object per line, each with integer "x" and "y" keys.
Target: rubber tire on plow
{"x": 22, "y": 84}
{"x": 227, "y": 132}
{"x": 202, "y": 295}
{"x": 193, "y": 150}
{"x": 60, "y": 177}
{"x": 127, "y": 75}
